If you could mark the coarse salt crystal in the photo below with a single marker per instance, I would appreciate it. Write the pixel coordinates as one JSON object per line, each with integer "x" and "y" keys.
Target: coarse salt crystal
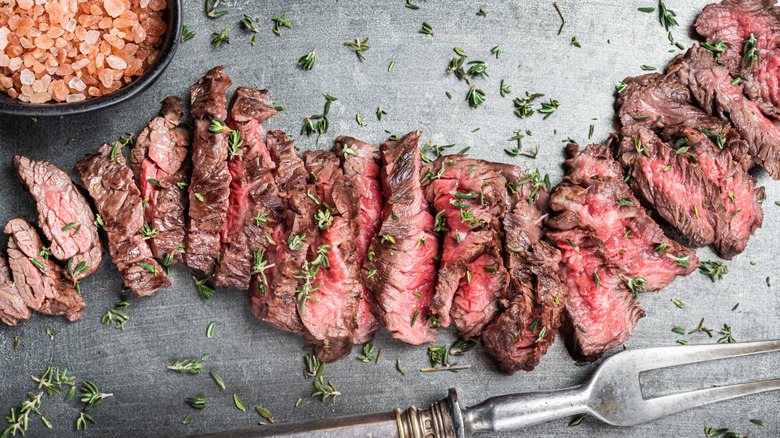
{"x": 41, "y": 97}
{"x": 75, "y": 98}
{"x": 27, "y": 77}
{"x": 44, "y": 42}
{"x": 114, "y": 8}
{"x": 25, "y": 4}
{"x": 4, "y": 31}
{"x": 116, "y": 62}
{"x": 77, "y": 84}
{"x": 92, "y": 37}
{"x": 4, "y": 60}
{"x": 15, "y": 63}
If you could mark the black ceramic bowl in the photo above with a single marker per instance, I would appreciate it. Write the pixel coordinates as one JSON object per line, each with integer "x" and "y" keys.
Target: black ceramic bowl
{"x": 173, "y": 17}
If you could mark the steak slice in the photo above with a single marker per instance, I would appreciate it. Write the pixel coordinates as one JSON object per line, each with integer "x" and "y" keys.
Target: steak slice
{"x": 272, "y": 295}
{"x": 330, "y": 309}
{"x": 600, "y": 311}
{"x": 253, "y": 191}
{"x": 41, "y": 283}
{"x": 711, "y": 86}
{"x": 592, "y": 161}
{"x": 159, "y": 163}
{"x": 736, "y": 20}
{"x": 401, "y": 275}
{"x": 656, "y": 102}
{"x": 63, "y": 214}
{"x": 210, "y": 182}
{"x": 12, "y": 307}
{"x": 110, "y": 183}
{"x": 468, "y": 197}
{"x": 632, "y": 240}
{"x": 519, "y": 336}
{"x": 738, "y": 192}
{"x": 360, "y": 162}
{"x": 669, "y": 183}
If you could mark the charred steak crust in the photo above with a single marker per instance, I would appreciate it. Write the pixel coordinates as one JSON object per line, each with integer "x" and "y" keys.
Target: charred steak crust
{"x": 669, "y": 183}
{"x": 401, "y": 271}
{"x": 600, "y": 312}
{"x": 64, "y": 215}
{"x": 739, "y": 194}
{"x": 712, "y": 88}
{"x": 110, "y": 184}
{"x": 520, "y": 335}
{"x": 468, "y": 198}
{"x": 210, "y": 183}
{"x": 253, "y": 191}
{"x": 655, "y": 101}
{"x": 46, "y": 290}
{"x": 12, "y": 307}
{"x": 272, "y": 297}
{"x": 330, "y": 316}
{"x": 361, "y": 162}
{"x": 161, "y": 169}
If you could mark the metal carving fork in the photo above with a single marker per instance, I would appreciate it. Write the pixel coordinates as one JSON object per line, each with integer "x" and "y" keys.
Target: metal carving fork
{"x": 612, "y": 394}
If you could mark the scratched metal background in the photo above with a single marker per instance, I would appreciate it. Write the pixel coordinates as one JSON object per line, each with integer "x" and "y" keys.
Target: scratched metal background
{"x": 264, "y": 365}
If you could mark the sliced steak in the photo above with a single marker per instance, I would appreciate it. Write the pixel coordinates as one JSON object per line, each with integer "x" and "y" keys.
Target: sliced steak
{"x": 360, "y": 162}
{"x": 600, "y": 311}
{"x": 669, "y": 183}
{"x": 738, "y": 192}
{"x": 329, "y": 309}
{"x": 591, "y": 161}
{"x": 519, "y": 336}
{"x": 12, "y": 306}
{"x": 41, "y": 283}
{"x": 110, "y": 184}
{"x": 401, "y": 275}
{"x": 468, "y": 198}
{"x": 656, "y": 102}
{"x": 735, "y": 21}
{"x": 273, "y": 293}
{"x": 253, "y": 191}
{"x": 159, "y": 163}
{"x": 632, "y": 240}
{"x": 210, "y": 182}
{"x": 712, "y": 88}
{"x": 63, "y": 214}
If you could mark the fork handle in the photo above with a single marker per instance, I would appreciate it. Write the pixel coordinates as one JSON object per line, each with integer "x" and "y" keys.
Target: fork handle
{"x": 514, "y": 412}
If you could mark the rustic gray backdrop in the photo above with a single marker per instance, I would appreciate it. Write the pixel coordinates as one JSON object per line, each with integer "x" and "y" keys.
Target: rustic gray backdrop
{"x": 263, "y": 365}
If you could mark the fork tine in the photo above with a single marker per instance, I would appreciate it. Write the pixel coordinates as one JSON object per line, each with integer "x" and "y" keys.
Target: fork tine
{"x": 662, "y": 357}
{"x": 670, "y": 404}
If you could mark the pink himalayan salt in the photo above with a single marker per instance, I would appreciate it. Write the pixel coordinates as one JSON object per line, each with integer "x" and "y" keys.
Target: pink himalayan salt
{"x": 114, "y": 8}
{"x": 116, "y": 62}
{"x": 27, "y": 77}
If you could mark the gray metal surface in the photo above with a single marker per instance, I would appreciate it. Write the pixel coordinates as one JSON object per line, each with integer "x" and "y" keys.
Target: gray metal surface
{"x": 263, "y": 365}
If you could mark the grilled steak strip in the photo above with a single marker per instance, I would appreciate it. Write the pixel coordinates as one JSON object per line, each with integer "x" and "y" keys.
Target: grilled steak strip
{"x": 110, "y": 183}
{"x": 600, "y": 311}
{"x": 634, "y": 242}
{"x": 210, "y": 182}
{"x": 272, "y": 297}
{"x": 468, "y": 198}
{"x": 656, "y": 102}
{"x": 669, "y": 183}
{"x": 401, "y": 275}
{"x": 253, "y": 190}
{"x": 12, "y": 307}
{"x": 159, "y": 163}
{"x": 738, "y": 192}
{"x": 46, "y": 290}
{"x": 63, "y": 214}
{"x": 360, "y": 162}
{"x": 711, "y": 87}
{"x": 519, "y": 336}
{"x": 330, "y": 315}
{"x": 735, "y": 21}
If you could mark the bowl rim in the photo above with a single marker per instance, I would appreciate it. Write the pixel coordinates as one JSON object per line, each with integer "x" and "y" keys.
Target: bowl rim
{"x": 170, "y": 45}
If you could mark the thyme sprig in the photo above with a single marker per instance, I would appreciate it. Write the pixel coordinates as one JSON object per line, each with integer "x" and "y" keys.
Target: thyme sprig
{"x": 19, "y": 422}
{"x": 359, "y": 47}
{"x": 307, "y": 61}
{"x": 92, "y": 396}
{"x": 81, "y": 422}
{"x": 280, "y": 22}
{"x": 197, "y": 401}
{"x": 248, "y": 23}
{"x": 475, "y": 96}
{"x": 719, "y": 47}
{"x": 211, "y": 8}
{"x": 204, "y": 288}
{"x": 117, "y": 315}
{"x": 234, "y": 144}
{"x": 750, "y": 53}
{"x": 368, "y": 353}
{"x": 187, "y": 34}
{"x": 184, "y": 366}
{"x": 728, "y": 337}
{"x": 714, "y": 269}
{"x": 427, "y": 29}
{"x": 321, "y": 389}
{"x": 52, "y": 379}
{"x": 219, "y": 38}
